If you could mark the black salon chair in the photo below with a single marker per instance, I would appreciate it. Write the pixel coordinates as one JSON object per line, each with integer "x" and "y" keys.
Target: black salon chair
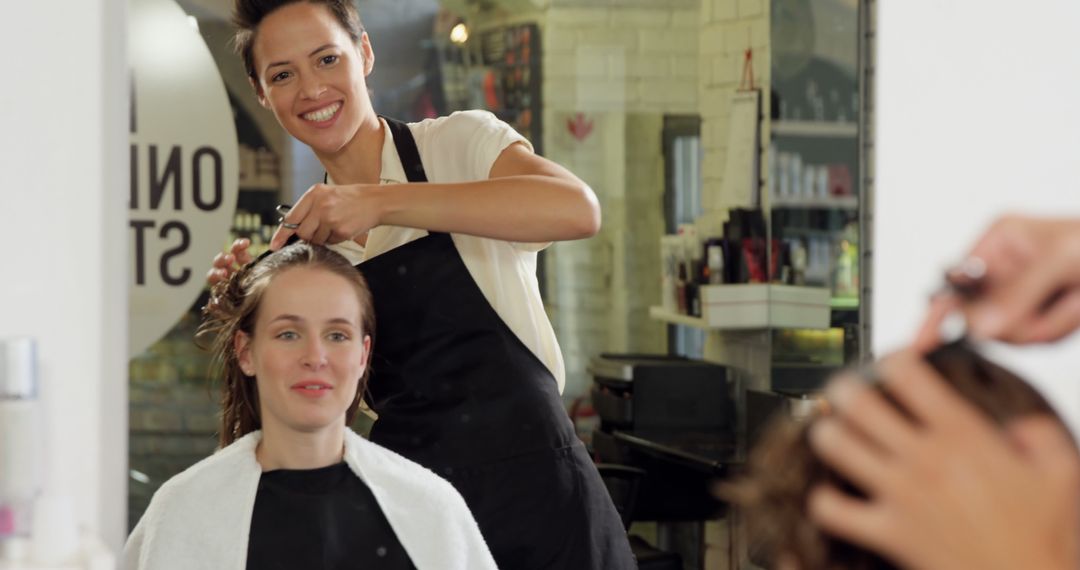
{"x": 624, "y": 483}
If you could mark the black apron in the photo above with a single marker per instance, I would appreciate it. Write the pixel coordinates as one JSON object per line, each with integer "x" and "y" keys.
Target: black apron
{"x": 459, "y": 393}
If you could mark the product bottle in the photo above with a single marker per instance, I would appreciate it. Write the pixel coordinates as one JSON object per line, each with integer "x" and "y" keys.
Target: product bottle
{"x": 715, "y": 263}
{"x": 798, "y": 263}
{"x": 851, "y": 234}
{"x": 842, "y": 282}
{"x": 680, "y": 291}
{"x": 20, "y": 444}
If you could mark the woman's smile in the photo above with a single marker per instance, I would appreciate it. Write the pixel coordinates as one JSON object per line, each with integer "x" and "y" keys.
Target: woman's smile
{"x": 323, "y": 116}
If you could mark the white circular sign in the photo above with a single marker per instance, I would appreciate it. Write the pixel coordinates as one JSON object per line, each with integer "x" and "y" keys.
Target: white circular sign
{"x": 183, "y": 167}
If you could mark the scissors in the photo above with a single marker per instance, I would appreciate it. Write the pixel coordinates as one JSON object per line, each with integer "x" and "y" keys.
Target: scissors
{"x": 283, "y": 209}
{"x": 967, "y": 278}
{"x": 966, "y": 281}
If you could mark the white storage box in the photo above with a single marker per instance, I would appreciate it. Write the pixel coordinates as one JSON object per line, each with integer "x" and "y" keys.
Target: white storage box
{"x": 756, "y": 306}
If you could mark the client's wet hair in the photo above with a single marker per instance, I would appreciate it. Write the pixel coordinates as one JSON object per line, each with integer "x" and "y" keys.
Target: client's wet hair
{"x": 782, "y": 469}
{"x": 234, "y": 306}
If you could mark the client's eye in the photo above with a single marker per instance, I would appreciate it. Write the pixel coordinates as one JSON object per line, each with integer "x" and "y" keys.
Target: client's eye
{"x": 287, "y": 335}
{"x": 339, "y": 337}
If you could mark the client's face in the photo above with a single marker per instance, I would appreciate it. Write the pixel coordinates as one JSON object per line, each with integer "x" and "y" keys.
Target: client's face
{"x": 308, "y": 351}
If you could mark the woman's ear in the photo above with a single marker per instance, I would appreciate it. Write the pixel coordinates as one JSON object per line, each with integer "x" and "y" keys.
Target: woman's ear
{"x": 367, "y": 53}
{"x": 367, "y": 351}
{"x": 242, "y": 348}
{"x": 259, "y": 93}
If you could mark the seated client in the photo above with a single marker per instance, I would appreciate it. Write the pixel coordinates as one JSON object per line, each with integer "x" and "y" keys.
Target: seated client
{"x": 292, "y": 486}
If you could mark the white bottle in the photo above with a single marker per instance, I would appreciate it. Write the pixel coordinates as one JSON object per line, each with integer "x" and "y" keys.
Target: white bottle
{"x": 809, "y": 184}
{"x": 822, "y": 185}
{"x": 783, "y": 168}
{"x": 20, "y": 444}
{"x": 797, "y": 175}
{"x": 716, "y": 264}
{"x": 798, "y": 263}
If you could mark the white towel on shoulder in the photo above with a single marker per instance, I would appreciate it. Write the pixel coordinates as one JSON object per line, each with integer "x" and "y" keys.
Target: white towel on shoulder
{"x": 201, "y": 518}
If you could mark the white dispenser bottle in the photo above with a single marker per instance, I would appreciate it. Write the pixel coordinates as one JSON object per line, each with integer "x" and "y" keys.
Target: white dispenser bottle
{"x": 20, "y": 444}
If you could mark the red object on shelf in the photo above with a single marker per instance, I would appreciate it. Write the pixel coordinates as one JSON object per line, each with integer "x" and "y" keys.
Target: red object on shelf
{"x": 840, "y": 183}
{"x": 580, "y": 127}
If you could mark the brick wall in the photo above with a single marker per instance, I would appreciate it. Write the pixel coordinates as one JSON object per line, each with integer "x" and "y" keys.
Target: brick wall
{"x": 628, "y": 59}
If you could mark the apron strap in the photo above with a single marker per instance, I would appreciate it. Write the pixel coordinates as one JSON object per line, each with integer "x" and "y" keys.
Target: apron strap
{"x": 407, "y": 151}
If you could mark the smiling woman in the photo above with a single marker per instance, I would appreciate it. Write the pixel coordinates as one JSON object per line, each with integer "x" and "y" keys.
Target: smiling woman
{"x": 309, "y": 88}
{"x": 292, "y": 486}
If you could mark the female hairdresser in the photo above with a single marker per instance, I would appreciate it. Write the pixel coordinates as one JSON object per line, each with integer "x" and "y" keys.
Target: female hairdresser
{"x": 444, "y": 219}
{"x": 946, "y": 490}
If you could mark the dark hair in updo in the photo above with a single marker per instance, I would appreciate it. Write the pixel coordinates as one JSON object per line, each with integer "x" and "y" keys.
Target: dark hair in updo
{"x": 248, "y": 14}
{"x": 782, "y": 469}
{"x": 234, "y": 306}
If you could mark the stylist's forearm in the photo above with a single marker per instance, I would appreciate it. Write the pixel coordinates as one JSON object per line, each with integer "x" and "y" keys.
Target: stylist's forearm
{"x": 530, "y": 208}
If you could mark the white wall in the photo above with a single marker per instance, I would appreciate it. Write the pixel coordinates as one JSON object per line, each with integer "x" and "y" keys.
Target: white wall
{"x": 63, "y": 189}
{"x": 978, "y": 114}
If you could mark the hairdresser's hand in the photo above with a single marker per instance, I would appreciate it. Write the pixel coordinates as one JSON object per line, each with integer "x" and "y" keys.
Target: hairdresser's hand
{"x": 332, "y": 214}
{"x": 945, "y": 489}
{"x": 1031, "y": 288}
{"x": 225, "y": 264}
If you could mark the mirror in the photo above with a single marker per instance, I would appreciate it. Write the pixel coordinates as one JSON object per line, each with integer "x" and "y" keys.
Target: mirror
{"x": 640, "y": 101}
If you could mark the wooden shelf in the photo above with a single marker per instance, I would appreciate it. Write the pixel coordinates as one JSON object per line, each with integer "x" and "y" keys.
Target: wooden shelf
{"x": 815, "y": 129}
